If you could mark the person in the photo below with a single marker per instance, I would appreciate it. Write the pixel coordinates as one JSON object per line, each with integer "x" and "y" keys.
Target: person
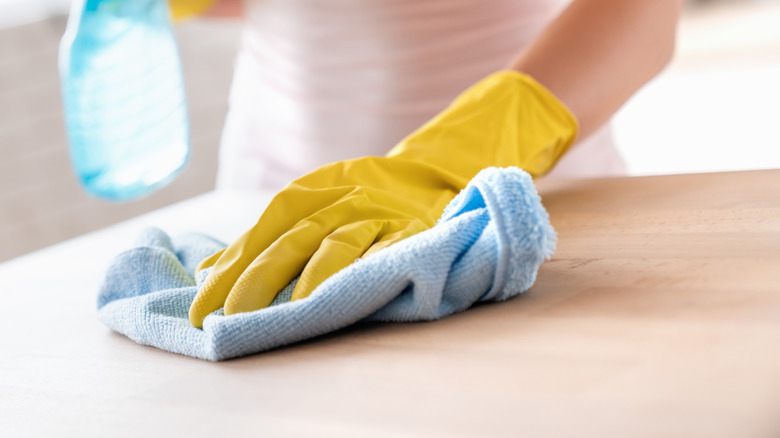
{"x": 328, "y": 81}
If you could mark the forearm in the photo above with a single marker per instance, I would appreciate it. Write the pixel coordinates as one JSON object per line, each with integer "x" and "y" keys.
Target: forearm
{"x": 598, "y": 53}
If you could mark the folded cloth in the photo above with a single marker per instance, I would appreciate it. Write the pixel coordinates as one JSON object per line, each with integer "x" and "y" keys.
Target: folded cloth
{"x": 487, "y": 246}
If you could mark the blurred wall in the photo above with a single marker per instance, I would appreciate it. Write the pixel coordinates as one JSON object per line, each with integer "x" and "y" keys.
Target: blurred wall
{"x": 19, "y": 12}
{"x": 40, "y": 199}
{"x": 717, "y": 105}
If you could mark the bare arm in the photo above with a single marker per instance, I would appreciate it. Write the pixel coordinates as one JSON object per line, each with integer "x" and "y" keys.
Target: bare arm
{"x": 598, "y": 53}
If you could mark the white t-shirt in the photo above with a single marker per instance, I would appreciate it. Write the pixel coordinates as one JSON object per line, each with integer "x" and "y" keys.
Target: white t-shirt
{"x": 318, "y": 81}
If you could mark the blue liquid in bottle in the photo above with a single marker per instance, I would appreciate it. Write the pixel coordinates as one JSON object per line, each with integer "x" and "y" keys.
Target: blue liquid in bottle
{"x": 123, "y": 92}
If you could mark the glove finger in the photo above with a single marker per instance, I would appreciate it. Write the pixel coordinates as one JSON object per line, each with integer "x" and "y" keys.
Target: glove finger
{"x": 395, "y": 233}
{"x": 275, "y": 268}
{"x": 209, "y": 261}
{"x": 281, "y": 215}
{"x": 285, "y": 258}
{"x": 243, "y": 281}
{"x": 340, "y": 249}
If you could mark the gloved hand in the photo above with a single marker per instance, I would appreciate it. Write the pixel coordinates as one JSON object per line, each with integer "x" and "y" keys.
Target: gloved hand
{"x": 328, "y": 218}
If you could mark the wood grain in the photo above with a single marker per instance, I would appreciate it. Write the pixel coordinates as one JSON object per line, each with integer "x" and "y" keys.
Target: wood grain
{"x": 658, "y": 316}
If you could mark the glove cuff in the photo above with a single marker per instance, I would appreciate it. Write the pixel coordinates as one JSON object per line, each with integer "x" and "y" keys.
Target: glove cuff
{"x": 507, "y": 119}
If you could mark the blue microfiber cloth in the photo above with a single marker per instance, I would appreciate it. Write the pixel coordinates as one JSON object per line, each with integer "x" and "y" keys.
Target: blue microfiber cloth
{"x": 487, "y": 246}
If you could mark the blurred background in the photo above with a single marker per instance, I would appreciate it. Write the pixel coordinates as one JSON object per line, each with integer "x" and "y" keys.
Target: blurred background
{"x": 715, "y": 108}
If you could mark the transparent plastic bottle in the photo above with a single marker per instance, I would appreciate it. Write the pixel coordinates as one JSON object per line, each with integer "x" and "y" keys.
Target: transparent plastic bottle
{"x": 123, "y": 95}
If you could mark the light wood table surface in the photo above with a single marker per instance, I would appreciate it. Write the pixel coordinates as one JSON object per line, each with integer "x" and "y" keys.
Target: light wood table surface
{"x": 658, "y": 316}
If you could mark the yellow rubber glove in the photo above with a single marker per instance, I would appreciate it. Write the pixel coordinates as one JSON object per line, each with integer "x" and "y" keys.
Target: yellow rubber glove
{"x": 325, "y": 220}
{"x": 181, "y": 9}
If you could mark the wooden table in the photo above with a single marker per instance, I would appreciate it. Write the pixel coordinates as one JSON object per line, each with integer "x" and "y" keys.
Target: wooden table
{"x": 659, "y": 316}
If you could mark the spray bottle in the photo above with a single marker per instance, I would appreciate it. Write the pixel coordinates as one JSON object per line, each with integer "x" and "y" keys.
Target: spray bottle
{"x": 123, "y": 96}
